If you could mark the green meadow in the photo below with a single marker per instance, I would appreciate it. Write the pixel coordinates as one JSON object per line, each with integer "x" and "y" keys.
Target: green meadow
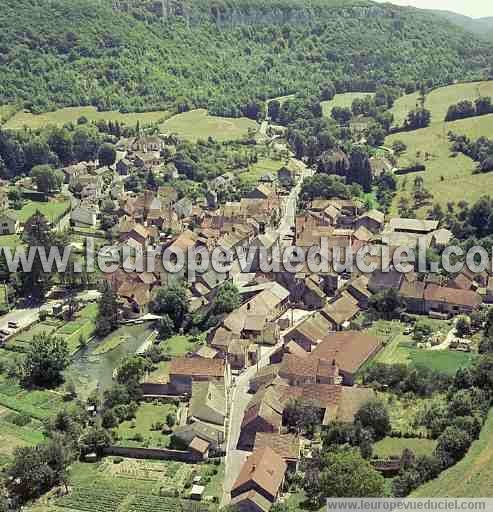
{"x": 71, "y": 114}
{"x": 198, "y": 124}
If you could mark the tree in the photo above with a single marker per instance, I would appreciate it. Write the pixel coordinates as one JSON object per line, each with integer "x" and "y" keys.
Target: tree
{"x": 360, "y": 169}
{"x": 131, "y": 371}
{"x": 173, "y": 302}
{"x": 419, "y": 118}
{"x": 46, "y": 358}
{"x": 422, "y": 331}
{"x": 374, "y": 415}
{"x": 302, "y": 415}
{"x": 107, "y": 155}
{"x": 36, "y": 235}
{"x": 227, "y": 299}
{"x": 273, "y": 110}
{"x": 398, "y": 147}
{"x": 387, "y": 305}
{"x": 109, "y": 420}
{"x": 166, "y": 327}
{"x": 463, "y": 326}
{"x": 346, "y": 474}
{"x": 107, "y": 317}
{"x": 452, "y": 445}
{"x": 94, "y": 439}
{"x": 47, "y": 179}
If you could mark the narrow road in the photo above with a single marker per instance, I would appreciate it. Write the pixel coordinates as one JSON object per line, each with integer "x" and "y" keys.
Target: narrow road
{"x": 239, "y": 396}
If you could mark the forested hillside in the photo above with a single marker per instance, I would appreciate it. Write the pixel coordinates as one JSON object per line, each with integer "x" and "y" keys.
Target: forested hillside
{"x": 132, "y": 56}
{"x": 480, "y": 26}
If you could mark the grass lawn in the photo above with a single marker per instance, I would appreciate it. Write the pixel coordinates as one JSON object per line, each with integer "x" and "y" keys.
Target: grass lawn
{"x": 257, "y": 170}
{"x": 472, "y": 476}
{"x": 342, "y": 100}
{"x": 400, "y": 349}
{"x": 395, "y": 445}
{"x": 71, "y": 114}
{"x": 11, "y": 241}
{"x": 161, "y": 373}
{"x": 179, "y": 345}
{"x": 197, "y": 124}
{"x": 147, "y": 415}
{"x": 50, "y": 209}
{"x": 439, "y": 100}
{"x": 447, "y": 178}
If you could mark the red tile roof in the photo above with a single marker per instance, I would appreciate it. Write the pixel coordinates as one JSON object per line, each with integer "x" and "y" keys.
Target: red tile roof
{"x": 264, "y": 468}
{"x": 452, "y": 296}
{"x": 197, "y": 367}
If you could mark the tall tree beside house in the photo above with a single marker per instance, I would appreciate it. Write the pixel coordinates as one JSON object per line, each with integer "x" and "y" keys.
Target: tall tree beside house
{"x": 173, "y": 302}
{"x": 227, "y": 299}
{"x": 360, "y": 168}
{"x": 37, "y": 236}
{"x": 107, "y": 155}
{"x": 107, "y": 317}
{"x": 45, "y": 361}
{"x": 47, "y": 179}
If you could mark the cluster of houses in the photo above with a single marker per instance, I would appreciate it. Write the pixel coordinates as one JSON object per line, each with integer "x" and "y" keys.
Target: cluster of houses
{"x": 312, "y": 360}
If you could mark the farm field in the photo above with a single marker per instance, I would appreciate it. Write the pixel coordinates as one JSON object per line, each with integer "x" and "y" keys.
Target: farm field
{"x": 132, "y": 485}
{"x": 342, "y": 100}
{"x": 50, "y": 209}
{"x": 198, "y": 124}
{"x": 258, "y": 169}
{"x": 448, "y": 178}
{"x": 395, "y": 445}
{"x": 143, "y": 426}
{"x": 472, "y": 476}
{"x": 38, "y": 404}
{"x": 71, "y": 114}
{"x": 439, "y": 100}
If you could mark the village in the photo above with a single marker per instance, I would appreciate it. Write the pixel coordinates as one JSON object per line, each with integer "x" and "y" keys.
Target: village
{"x": 292, "y": 339}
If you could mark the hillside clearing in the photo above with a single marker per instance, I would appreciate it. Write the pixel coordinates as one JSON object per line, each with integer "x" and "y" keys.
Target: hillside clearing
{"x": 198, "y": 124}
{"x": 448, "y": 178}
{"x": 395, "y": 445}
{"x": 439, "y": 100}
{"x": 472, "y": 476}
{"x": 342, "y": 100}
{"x": 71, "y": 114}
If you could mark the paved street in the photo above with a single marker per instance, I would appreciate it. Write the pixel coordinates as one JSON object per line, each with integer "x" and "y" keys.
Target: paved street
{"x": 239, "y": 396}
{"x": 24, "y": 317}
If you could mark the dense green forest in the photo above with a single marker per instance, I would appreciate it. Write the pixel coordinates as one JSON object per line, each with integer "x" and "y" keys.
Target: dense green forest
{"x": 135, "y": 56}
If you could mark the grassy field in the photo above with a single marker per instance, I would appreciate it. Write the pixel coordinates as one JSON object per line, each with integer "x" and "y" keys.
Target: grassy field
{"x": 50, "y": 209}
{"x": 6, "y": 111}
{"x": 257, "y": 170}
{"x": 342, "y": 100}
{"x": 400, "y": 349}
{"x": 439, "y": 100}
{"x": 448, "y": 178}
{"x": 197, "y": 124}
{"x": 472, "y": 476}
{"x": 179, "y": 345}
{"x": 395, "y": 445}
{"x": 71, "y": 114}
{"x": 148, "y": 415}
